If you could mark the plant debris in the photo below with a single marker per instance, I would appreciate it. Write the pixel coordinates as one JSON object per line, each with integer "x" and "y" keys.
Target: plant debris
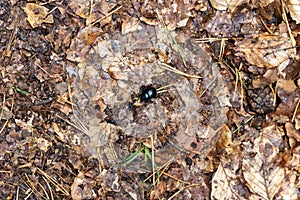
{"x": 149, "y": 99}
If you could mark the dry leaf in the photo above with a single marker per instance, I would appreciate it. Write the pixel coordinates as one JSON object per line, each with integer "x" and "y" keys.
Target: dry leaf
{"x": 92, "y": 13}
{"x": 37, "y": 14}
{"x": 267, "y": 51}
{"x": 149, "y": 21}
{"x": 57, "y": 130}
{"x": 5, "y": 113}
{"x": 222, "y": 183}
{"x": 225, "y": 140}
{"x": 259, "y": 3}
{"x": 263, "y": 175}
{"x": 225, "y": 4}
{"x": 291, "y": 131}
{"x": 81, "y": 188}
{"x": 286, "y": 85}
{"x": 130, "y": 25}
{"x": 25, "y": 125}
{"x": 43, "y": 144}
{"x": 294, "y": 8}
{"x": 297, "y": 122}
{"x": 268, "y": 78}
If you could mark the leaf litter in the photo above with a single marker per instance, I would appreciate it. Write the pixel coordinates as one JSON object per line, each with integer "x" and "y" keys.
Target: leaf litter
{"x": 176, "y": 109}
{"x": 73, "y": 124}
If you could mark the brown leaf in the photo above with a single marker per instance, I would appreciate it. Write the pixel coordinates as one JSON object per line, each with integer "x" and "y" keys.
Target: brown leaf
{"x": 222, "y": 181}
{"x": 227, "y": 4}
{"x": 43, "y": 144}
{"x": 267, "y": 51}
{"x": 37, "y": 14}
{"x": 263, "y": 175}
{"x": 130, "y": 25}
{"x": 294, "y": 8}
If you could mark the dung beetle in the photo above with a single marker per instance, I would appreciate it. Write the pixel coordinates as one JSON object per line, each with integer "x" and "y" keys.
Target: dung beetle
{"x": 148, "y": 93}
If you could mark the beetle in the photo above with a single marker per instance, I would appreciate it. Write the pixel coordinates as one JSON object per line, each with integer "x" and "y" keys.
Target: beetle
{"x": 148, "y": 93}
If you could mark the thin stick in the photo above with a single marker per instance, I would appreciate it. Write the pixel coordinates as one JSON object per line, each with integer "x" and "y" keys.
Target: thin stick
{"x": 222, "y": 48}
{"x": 208, "y": 86}
{"x": 53, "y": 181}
{"x": 172, "y": 69}
{"x": 191, "y": 185}
{"x": 164, "y": 87}
{"x": 210, "y": 39}
{"x": 70, "y": 123}
{"x": 161, "y": 91}
{"x": 295, "y": 112}
{"x": 242, "y": 91}
{"x": 171, "y": 36}
{"x": 108, "y": 14}
{"x": 153, "y": 160}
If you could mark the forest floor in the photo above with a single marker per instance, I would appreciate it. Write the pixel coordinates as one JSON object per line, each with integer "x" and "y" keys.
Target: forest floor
{"x": 140, "y": 99}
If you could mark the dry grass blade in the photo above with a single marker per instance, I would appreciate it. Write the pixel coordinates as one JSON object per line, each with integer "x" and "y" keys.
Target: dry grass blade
{"x": 108, "y": 14}
{"x": 49, "y": 187}
{"x": 222, "y": 49}
{"x": 173, "y": 177}
{"x": 191, "y": 185}
{"x": 287, "y": 24}
{"x": 45, "y": 191}
{"x": 162, "y": 89}
{"x": 33, "y": 188}
{"x": 4, "y": 125}
{"x": 172, "y": 69}
{"x": 200, "y": 40}
{"x": 172, "y": 37}
{"x": 1, "y": 115}
{"x": 53, "y": 181}
{"x": 80, "y": 127}
{"x": 17, "y": 193}
{"x": 11, "y": 39}
{"x": 153, "y": 160}
{"x": 295, "y": 112}
{"x": 266, "y": 27}
{"x": 208, "y": 86}
{"x": 164, "y": 168}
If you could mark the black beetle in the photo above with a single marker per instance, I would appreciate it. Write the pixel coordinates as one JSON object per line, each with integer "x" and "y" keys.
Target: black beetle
{"x": 148, "y": 93}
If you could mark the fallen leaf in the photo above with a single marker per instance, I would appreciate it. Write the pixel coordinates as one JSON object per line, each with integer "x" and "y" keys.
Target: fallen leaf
{"x": 286, "y": 85}
{"x": 263, "y": 176}
{"x": 130, "y": 25}
{"x": 227, "y": 4}
{"x": 37, "y": 14}
{"x": 267, "y": 51}
{"x": 294, "y": 8}
{"x": 43, "y": 144}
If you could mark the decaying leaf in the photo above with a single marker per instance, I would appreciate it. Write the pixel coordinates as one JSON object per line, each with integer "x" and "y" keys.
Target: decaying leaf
{"x": 261, "y": 167}
{"x": 268, "y": 78}
{"x": 267, "y": 51}
{"x": 5, "y": 113}
{"x": 130, "y": 25}
{"x": 36, "y": 14}
{"x": 286, "y": 85}
{"x": 294, "y": 8}
{"x": 43, "y": 144}
{"x": 222, "y": 183}
{"x": 227, "y": 4}
{"x": 92, "y": 13}
{"x": 25, "y": 125}
{"x": 82, "y": 187}
{"x": 258, "y": 3}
